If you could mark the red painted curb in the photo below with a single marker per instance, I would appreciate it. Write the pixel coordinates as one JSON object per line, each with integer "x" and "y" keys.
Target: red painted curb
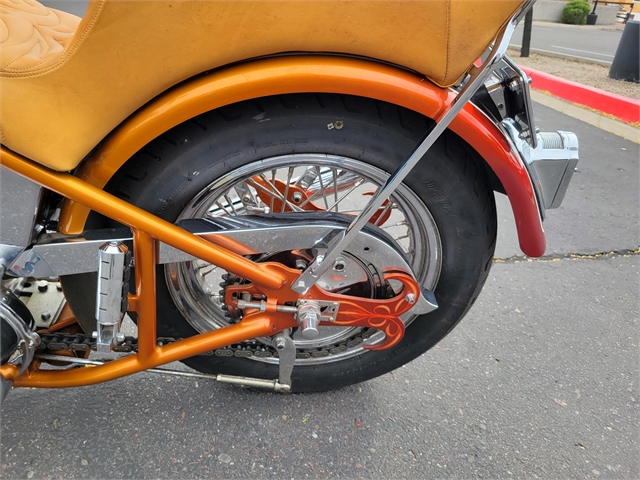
{"x": 626, "y": 109}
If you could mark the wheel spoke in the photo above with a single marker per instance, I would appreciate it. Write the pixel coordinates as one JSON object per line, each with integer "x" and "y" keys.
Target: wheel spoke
{"x": 226, "y": 197}
{"x": 359, "y": 182}
{"x": 324, "y": 193}
{"x": 273, "y": 180}
{"x": 286, "y": 188}
{"x": 272, "y": 192}
{"x": 335, "y": 188}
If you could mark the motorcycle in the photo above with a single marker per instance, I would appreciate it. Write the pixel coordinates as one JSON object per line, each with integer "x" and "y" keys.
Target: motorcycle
{"x": 291, "y": 195}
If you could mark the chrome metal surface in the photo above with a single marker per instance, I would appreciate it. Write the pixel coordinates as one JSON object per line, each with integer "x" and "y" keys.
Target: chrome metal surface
{"x": 550, "y": 165}
{"x": 262, "y": 306}
{"x": 45, "y": 304}
{"x": 27, "y": 339}
{"x": 348, "y": 184}
{"x": 477, "y": 77}
{"x": 55, "y": 254}
{"x": 274, "y": 385}
{"x": 309, "y": 319}
{"x": 19, "y": 200}
{"x": 496, "y": 91}
{"x": 528, "y": 132}
{"x": 8, "y": 254}
{"x": 286, "y": 355}
{"x": 109, "y": 296}
{"x": 508, "y": 89}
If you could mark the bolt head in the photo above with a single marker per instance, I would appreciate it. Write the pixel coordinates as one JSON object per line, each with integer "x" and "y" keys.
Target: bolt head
{"x": 46, "y": 315}
{"x": 280, "y": 343}
{"x": 296, "y": 197}
{"x": 339, "y": 264}
{"x": 410, "y": 298}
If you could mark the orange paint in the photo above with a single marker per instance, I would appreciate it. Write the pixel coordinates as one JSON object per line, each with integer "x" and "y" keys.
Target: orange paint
{"x": 250, "y": 327}
{"x": 123, "y": 212}
{"x": 278, "y": 76}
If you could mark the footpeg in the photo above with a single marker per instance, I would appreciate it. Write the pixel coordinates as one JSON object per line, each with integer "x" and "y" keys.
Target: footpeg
{"x": 111, "y": 298}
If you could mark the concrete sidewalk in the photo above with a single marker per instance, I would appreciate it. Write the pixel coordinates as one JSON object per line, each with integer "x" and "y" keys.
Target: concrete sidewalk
{"x": 539, "y": 381}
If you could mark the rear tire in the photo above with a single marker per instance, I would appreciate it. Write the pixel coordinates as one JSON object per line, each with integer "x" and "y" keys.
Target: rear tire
{"x": 166, "y": 175}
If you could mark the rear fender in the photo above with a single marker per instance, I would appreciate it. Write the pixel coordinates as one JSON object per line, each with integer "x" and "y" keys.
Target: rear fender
{"x": 308, "y": 74}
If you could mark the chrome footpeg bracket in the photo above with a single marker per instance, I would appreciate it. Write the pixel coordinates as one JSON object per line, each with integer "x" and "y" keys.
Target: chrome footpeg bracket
{"x": 112, "y": 294}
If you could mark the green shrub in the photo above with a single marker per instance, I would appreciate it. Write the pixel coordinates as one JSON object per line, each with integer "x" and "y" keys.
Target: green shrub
{"x": 575, "y": 12}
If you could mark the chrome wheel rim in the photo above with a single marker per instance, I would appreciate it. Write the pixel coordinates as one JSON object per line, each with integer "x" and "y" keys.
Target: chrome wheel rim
{"x": 330, "y": 182}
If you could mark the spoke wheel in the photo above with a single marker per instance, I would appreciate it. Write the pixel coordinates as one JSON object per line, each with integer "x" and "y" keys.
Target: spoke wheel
{"x": 301, "y": 182}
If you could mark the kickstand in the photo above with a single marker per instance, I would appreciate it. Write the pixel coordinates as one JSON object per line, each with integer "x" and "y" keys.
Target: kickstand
{"x": 287, "y": 356}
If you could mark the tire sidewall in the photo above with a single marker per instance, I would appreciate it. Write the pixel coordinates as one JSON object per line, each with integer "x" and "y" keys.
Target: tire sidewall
{"x": 448, "y": 180}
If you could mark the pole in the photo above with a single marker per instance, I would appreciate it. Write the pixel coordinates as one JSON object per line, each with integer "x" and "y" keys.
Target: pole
{"x": 526, "y": 34}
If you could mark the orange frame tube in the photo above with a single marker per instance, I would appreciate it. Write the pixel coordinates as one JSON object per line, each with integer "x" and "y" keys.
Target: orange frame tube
{"x": 149, "y": 355}
{"x": 313, "y": 74}
{"x": 147, "y": 230}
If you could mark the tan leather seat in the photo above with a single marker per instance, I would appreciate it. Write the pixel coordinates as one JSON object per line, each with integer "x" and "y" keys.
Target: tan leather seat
{"x": 64, "y": 92}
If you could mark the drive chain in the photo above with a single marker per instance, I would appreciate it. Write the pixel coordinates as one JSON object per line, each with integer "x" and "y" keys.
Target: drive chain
{"x": 81, "y": 342}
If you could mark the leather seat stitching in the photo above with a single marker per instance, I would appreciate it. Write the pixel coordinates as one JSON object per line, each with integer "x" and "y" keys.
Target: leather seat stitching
{"x": 17, "y": 73}
{"x": 448, "y": 42}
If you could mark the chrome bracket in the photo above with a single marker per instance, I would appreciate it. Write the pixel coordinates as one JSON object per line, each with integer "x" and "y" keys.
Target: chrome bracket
{"x": 286, "y": 357}
{"x": 476, "y": 78}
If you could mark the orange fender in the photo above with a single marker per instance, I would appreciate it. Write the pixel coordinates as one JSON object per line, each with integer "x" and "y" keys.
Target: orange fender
{"x": 323, "y": 74}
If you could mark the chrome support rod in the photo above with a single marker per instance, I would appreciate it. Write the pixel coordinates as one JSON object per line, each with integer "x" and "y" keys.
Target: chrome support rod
{"x": 477, "y": 77}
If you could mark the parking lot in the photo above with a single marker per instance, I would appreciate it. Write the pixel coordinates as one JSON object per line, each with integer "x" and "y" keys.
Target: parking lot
{"x": 539, "y": 380}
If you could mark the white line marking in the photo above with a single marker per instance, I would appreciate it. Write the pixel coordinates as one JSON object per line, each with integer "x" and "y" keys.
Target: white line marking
{"x": 582, "y": 51}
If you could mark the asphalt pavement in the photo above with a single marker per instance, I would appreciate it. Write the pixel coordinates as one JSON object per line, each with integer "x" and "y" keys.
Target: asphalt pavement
{"x": 590, "y": 42}
{"x": 540, "y": 380}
